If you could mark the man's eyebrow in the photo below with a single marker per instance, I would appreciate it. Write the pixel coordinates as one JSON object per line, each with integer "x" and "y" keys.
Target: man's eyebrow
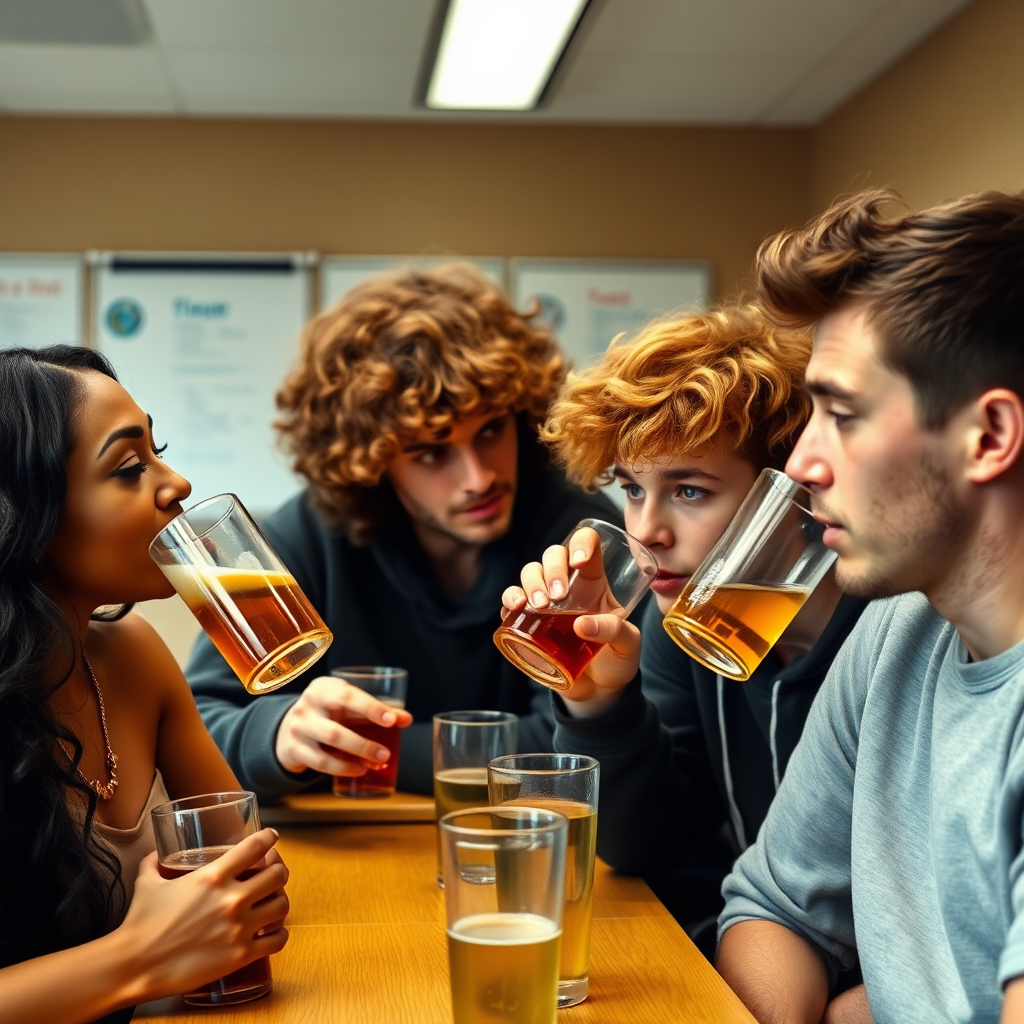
{"x": 827, "y": 389}
{"x": 680, "y": 473}
{"x": 117, "y": 435}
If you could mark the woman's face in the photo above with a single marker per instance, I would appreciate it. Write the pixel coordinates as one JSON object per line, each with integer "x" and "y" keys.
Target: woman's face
{"x": 119, "y": 496}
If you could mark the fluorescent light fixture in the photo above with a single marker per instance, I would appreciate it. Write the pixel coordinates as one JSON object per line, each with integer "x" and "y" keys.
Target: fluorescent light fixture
{"x": 500, "y": 54}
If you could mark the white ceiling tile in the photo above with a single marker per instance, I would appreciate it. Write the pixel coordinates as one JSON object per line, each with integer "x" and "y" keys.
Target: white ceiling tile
{"x": 294, "y": 84}
{"x": 83, "y": 79}
{"x": 340, "y": 25}
{"x": 860, "y": 59}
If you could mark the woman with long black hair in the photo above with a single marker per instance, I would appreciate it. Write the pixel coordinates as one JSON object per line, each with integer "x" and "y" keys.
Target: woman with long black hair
{"x": 97, "y": 723}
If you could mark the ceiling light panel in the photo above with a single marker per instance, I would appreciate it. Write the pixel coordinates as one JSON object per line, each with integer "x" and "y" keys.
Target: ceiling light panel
{"x": 500, "y": 54}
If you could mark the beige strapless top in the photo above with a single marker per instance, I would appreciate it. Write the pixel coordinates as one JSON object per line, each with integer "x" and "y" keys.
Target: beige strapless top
{"x": 130, "y": 845}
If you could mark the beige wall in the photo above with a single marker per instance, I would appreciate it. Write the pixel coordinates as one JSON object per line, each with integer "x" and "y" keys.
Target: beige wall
{"x": 946, "y": 120}
{"x": 355, "y": 187}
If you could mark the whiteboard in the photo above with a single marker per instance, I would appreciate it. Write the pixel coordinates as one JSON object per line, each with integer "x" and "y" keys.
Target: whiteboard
{"x": 338, "y": 274}
{"x": 202, "y": 345}
{"x": 40, "y": 300}
{"x": 587, "y": 303}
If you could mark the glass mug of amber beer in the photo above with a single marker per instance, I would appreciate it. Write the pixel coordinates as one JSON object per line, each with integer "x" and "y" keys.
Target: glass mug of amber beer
{"x": 543, "y": 644}
{"x": 504, "y": 935}
{"x": 196, "y": 831}
{"x": 245, "y": 599}
{"x": 754, "y": 580}
{"x": 566, "y": 783}
{"x": 389, "y": 686}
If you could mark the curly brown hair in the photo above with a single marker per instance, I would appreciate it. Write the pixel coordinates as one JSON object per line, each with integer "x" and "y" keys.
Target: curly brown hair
{"x": 943, "y": 287}
{"x": 724, "y": 377}
{"x": 398, "y": 353}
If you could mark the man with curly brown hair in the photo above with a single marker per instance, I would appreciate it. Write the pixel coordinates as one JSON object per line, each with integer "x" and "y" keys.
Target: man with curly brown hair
{"x": 684, "y": 417}
{"x": 413, "y": 417}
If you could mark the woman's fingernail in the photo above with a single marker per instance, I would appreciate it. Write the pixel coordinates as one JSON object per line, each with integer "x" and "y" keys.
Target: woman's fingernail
{"x": 383, "y": 754}
{"x": 388, "y": 717}
{"x": 539, "y": 597}
{"x": 557, "y": 589}
{"x": 589, "y": 626}
{"x": 579, "y": 555}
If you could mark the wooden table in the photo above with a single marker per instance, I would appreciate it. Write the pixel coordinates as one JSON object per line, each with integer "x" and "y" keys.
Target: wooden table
{"x": 367, "y": 944}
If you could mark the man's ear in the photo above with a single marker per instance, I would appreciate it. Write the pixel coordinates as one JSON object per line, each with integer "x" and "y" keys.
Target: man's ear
{"x": 995, "y": 434}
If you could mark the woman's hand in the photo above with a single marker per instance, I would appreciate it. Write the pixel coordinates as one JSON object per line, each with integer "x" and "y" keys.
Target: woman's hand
{"x": 615, "y": 664}
{"x": 310, "y": 735}
{"x": 185, "y": 932}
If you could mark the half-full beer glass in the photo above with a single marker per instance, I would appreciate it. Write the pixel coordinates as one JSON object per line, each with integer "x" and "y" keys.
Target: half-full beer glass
{"x": 753, "y": 581}
{"x": 388, "y": 685}
{"x": 245, "y": 599}
{"x": 504, "y": 934}
{"x": 542, "y": 642}
{"x": 566, "y": 783}
{"x": 196, "y": 831}
{"x": 464, "y": 743}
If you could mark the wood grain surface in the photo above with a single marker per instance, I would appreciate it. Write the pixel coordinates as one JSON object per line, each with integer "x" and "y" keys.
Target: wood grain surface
{"x": 367, "y": 944}
{"x": 312, "y": 808}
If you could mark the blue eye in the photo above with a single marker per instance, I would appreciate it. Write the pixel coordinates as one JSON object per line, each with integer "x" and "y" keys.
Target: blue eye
{"x": 691, "y": 493}
{"x": 633, "y": 491}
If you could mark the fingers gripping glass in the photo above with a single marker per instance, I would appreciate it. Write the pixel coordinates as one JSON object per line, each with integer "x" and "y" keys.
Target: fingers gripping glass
{"x": 754, "y": 580}
{"x": 543, "y": 643}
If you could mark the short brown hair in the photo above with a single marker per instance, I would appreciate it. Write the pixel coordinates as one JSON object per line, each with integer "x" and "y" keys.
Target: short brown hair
{"x": 727, "y": 377}
{"x": 944, "y": 288}
{"x": 400, "y": 352}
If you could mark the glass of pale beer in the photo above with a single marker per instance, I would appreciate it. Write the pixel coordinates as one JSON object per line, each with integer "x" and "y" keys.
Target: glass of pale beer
{"x": 196, "y": 831}
{"x": 566, "y": 783}
{"x": 754, "y": 580}
{"x": 389, "y": 686}
{"x": 542, "y": 642}
{"x": 464, "y": 743}
{"x": 248, "y": 603}
{"x": 504, "y": 934}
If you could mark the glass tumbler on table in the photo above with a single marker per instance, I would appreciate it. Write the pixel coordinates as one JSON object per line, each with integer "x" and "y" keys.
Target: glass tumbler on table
{"x": 196, "y": 831}
{"x": 464, "y": 743}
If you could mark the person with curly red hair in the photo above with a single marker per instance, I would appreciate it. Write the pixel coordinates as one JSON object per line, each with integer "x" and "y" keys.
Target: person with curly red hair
{"x": 412, "y": 416}
{"x": 684, "y": 417}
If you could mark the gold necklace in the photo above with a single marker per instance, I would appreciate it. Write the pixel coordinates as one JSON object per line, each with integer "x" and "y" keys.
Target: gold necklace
{"x": 104, "y": 790}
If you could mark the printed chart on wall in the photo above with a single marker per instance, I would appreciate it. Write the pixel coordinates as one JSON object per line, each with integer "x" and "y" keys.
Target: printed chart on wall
{"x": 40, "y": 300}
{"x": 202, "y": 345}
{"x": 340, "y": 273}
{"x": 587, "y": 303}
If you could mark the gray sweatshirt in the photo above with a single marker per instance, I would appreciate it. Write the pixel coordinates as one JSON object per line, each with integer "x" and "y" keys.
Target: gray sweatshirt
{"x": 896, "y": 835}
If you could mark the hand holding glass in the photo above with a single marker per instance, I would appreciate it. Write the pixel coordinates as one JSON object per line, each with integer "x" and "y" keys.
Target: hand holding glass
{"x": 245, "y": 599}
{"x": 388, "y": 685}
{"x": 566, "y": 783}
{"x": 196, "y": 831}
{"x": 542, "y": 642}
{"x": 464, "y": 743}
{"x": 754, "y": 580}
{"x": 504, "y": 932}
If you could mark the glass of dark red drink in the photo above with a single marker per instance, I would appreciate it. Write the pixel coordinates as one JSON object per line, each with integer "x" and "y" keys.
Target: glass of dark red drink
{"x": 193, "y": 832}
{"x": 389, "y": 686}
{"x": 543, "y": 643}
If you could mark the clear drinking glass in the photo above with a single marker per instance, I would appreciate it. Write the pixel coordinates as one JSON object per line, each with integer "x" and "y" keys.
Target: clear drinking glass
{"x": 568, "y": 784}
{"x": 543, "y": 644}
{"x": 503, "y": 933}
{"x": 389, "y": 686}
{"x": 245, "y": 599}
{"x": 753, "y": 581}
{"x": 196, "y": 831}
{"x": 464, "y": 743}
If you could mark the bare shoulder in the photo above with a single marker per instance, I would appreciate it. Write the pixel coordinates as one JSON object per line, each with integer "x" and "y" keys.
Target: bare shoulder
{"x": 133, "y": 656}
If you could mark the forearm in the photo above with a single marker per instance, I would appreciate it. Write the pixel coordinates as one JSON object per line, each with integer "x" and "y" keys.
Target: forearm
{"x": 75, "y": 985}
{"x": 780, "y": 977}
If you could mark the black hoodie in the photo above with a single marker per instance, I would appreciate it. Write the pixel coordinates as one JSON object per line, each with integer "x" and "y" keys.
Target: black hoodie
{"x": 385, "y": 606}
{"x": 689, "y": 758}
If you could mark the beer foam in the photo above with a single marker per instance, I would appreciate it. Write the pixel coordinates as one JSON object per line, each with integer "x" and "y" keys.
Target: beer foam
{"x": 193, "y": 581}
{"x": 504, "y": 929}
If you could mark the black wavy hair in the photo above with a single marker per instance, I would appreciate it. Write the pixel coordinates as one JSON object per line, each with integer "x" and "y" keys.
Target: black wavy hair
{"x": 62, "y": 887}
